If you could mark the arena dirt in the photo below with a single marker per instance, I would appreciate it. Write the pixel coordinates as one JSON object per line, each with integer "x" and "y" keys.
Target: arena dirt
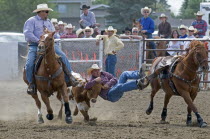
{"x": 123, "y": 119}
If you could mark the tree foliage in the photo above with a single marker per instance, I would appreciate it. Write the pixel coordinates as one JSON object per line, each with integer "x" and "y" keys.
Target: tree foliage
{"x": 15, "y": 13}
{"x": 188, "y": 8}
{"x": 101, "y": 2}
{"x": 122, "y": 12}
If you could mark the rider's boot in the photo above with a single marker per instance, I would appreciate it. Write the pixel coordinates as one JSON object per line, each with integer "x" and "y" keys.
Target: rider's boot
{"x": 31, "y": 89}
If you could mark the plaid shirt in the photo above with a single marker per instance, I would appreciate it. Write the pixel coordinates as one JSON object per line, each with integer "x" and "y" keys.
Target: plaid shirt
{"x": 201, "y": 26}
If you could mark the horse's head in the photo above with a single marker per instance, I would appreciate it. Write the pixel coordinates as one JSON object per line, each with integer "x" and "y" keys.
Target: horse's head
{"x": 46, "y": 41}
{"x": 200, "y": 54}
{"x": 93, "y": 93}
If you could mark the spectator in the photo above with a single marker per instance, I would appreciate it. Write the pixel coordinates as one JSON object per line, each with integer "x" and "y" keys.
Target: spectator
{"x": 103, "y": 32}
{"x": 174, "y": 45}
{"x": 61, "y": 28}
{"x": 80, "y": 33}
{"x": 54, "y": 21}
{"x": 112, "y": 44}
{"x": 191, "y": 31}
{"x": 200, "y": 25}
{"x": 87, "y": 18}
{"x": 148, "y": 26}
{"x": 183, "y": 30}
{"x": 88, "y": 32}
{"x": 96, "y": 32}
{"x": 127, "y": 31}
{"x": 69, "y": 32}
{"x": 164, "y": 27}
{"x": 57, "y": 31}
{"x": 134, "y": 35}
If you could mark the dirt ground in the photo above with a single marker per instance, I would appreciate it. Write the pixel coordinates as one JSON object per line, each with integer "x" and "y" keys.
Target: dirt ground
{"x": 123, "y": 119}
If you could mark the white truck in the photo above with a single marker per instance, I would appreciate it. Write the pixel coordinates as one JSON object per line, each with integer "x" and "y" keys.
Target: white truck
{"x": 205, "y": 8}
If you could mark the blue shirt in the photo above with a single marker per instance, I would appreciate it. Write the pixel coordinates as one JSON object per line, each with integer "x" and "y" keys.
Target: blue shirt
{"x": 183, "y": 36}
{"x": 89, "y": 19}
{"x": 148, "y": 24}
{"x": 34, "y": 26}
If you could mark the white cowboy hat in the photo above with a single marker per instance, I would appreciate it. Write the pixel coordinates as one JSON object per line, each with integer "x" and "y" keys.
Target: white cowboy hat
{"x": 69, "y": 26}
{"x": 42, "y": 7}
{"x": 88, "y": 28}
{"x": 93, "y": 67}
{"x": 199, "y": 13}
{"x": 110, "y": 28}
{"x": 79, "y": 31}
{"x": 60, "y": 23}
{"x": 163, "y": 15}
{"x": 145, "y": 8}
{"x": 192, "y": 28}
{"x": 183, "y": 26}
{"x": 54, "y": 20}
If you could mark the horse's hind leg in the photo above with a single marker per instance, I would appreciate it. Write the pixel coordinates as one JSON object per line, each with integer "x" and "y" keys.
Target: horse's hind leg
{"x": 155, "y": 85}
{"x": 46, "y": 100}
{"x": 164, "y": 111}
{"x": 38, "y": 104}
{"x": 189, "y": 101}
{"x": 65, "y": 97}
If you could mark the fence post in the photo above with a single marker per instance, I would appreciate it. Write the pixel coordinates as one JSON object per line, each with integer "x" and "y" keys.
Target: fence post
{"x": 141, "y": 53}
{"x": 101, "y": 54}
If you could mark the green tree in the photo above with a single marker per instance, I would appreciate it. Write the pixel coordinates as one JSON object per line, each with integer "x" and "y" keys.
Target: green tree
{"x": 14, "y": 14}
{"x": 188, "y": 8}
{"x": 101, "y": 2}
{"x": 122, "y": 12}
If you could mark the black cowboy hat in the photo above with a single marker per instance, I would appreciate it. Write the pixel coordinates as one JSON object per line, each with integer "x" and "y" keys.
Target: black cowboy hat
{"x": 85, "y": 7}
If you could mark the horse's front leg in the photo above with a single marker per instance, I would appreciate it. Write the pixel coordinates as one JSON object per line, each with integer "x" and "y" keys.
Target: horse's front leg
{"x": 46, "y": 100}
{"x": 65, "y": 97}
{"x": 189, "y": 110}
{"x": 38, "y": 104}
{"x": 190, "y": 104}
{"x": 164, "y": 111}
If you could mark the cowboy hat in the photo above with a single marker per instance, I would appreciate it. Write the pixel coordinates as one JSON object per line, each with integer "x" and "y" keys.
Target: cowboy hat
{"x": 42, "y": 7}
{"x": 79, "y": 31}
{"x": 183, "y": 26}
{"x": 145, "y": 8}
{"x": 88, "y": 28}
{"x": 69, "y": 26}
{"x": 199, "y": 13}
{"x": 60, "y": 23}
{"x": 54, "y": 20}
{"x": 110, "y": 28}
{"x": 163, "y": 15}
{"x": 85, "y": 7}
{"x": 192, "y": 28}
{"x": 93, "y": 67}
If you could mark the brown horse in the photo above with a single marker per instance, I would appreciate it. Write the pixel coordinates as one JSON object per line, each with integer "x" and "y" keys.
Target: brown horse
{"x": 50, "y": 78}
{"x": 184, "y": 78}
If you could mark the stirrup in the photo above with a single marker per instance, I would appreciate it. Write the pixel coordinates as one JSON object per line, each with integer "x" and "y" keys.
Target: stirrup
{"x": 142, "y": 70}
{"x": 31, "y": 89}
{"x": 140, "y": 85}
{"x": 73, "y": 82}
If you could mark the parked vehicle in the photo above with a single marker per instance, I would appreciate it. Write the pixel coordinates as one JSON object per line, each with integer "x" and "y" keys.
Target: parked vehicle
{"x": 11, "y": 37}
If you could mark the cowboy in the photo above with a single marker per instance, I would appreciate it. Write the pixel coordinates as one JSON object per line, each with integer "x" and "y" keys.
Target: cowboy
{"x": 69, "y": 32}
{"x": 54, "y": 21}
{"x": 33, "y": 29}
{"x": 164, "y": 27}
{"x": 87, "y": 18}
{"x": 183, "y": 31}
{"x": 61, "y": 28}
{"x": 200, "y": 25}
{"x": 88, "y": 32}
{"x": 148, "y": 26}
{"x": 80, "y": 33}
{"x": 114, "y": 89}
{"x": 112, "y": 45}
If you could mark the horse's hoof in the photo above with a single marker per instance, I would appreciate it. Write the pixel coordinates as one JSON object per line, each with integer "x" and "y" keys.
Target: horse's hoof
{"x": 69, "y": 119}
{"x": 49, "y": 116}
{"x": 40, "y": 120}
{"x": 203, "y": 124}
{"x": 148, "y": 111}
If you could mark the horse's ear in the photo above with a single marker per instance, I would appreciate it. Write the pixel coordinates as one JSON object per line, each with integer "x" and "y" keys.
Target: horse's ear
{"x": 45, "y": 30}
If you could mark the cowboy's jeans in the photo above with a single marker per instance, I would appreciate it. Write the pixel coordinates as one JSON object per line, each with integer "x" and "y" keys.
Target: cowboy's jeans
{"x": 110, "y": 63}
{"x": 151, "y": 43}
{"x": 117, "y": 91}
{"x": 29, "y": 67}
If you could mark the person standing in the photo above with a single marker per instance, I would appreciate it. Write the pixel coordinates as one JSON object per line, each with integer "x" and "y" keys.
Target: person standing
{"x": 87, "y": 18}
{"x": 200, "y": 25}
{"x": 69, "y": 32}
{"x": 61, "y": 28}
{"x": 112, "y": 45}
{"x": 33, "y": 29}
{"x": 88, "y": 32}
{"x": 148, "y": 26}
{"x": 164, "y": 27}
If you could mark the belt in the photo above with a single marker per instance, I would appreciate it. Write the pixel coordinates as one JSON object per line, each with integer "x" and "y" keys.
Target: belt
{"x": 32, "y": 43}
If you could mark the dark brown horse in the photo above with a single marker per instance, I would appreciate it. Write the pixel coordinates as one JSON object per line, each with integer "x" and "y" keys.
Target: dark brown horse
{"x": 185, "y": 79}
{"x": 50, "y": 78}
